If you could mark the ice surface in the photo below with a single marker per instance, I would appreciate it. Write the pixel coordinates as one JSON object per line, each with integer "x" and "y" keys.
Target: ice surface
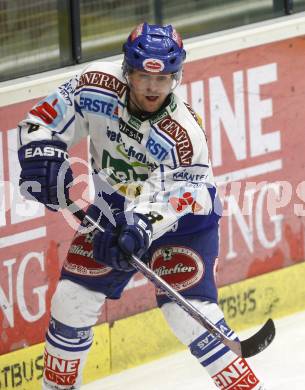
{"x": 281, "y": 366}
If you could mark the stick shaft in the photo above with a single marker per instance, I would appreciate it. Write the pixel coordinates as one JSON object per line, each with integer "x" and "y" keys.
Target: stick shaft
{"x": 234, "y": 345}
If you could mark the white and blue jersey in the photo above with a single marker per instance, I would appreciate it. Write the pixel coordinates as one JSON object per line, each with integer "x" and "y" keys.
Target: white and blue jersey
{"x": 159, "y": 165}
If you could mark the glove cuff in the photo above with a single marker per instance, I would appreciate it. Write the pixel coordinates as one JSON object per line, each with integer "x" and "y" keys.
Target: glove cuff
{"x": 43, "y": 150}
{"x": 145, "y": 225}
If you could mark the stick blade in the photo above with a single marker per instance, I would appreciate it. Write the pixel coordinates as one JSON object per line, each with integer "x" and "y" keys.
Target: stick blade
{"x": 259, "y": 341}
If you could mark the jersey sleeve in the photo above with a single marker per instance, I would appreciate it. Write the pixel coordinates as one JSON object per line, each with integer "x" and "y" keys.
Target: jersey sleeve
{"x": 183, "y": 184}
{"x": 56, "y": 117}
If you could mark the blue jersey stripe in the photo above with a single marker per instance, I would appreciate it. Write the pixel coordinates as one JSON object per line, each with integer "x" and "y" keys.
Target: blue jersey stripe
{"x": 65, "y": 127}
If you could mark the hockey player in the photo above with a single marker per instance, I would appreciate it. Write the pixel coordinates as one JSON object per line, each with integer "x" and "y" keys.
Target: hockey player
{"x": 151, "y": 169}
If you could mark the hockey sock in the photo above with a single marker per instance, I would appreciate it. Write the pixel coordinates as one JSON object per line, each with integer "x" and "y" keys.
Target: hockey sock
{"x": 65, "y": 354}
{"x": 74, "y": 310}
{"x": 228, "y": 371}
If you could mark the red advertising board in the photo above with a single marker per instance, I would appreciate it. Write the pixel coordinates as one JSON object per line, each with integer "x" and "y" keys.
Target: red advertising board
{"x": 252, "y": 104}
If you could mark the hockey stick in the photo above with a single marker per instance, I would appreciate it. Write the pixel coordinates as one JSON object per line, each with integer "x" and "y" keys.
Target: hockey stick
{"x": 246, "y": 348}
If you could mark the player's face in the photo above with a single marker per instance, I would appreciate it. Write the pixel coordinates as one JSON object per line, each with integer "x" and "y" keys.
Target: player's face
{"x": 148, "y": 91}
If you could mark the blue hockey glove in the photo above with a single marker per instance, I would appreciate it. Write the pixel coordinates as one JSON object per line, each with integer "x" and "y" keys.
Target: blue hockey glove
{"x": 131, "y": 235}
{"x": 40, "y": 163}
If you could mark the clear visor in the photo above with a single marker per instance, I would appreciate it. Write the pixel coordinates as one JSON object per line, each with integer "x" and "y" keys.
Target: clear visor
{"x": 154, "y": 84}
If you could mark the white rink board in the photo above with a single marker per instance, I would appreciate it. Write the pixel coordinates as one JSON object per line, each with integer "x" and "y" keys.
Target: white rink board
{"x": 281, "y": 366}
{"x": 204, "y": 46}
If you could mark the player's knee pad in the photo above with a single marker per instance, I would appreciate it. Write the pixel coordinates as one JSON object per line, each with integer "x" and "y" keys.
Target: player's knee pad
{"x": 75, "y": 305}
{"x": 74, "y": 310}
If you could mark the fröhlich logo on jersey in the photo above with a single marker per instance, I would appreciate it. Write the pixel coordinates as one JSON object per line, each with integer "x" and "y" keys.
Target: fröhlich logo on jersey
{"x": 181, "y": 267}
{"x": 98, "y": 104}
{"x": 129, "y": 131}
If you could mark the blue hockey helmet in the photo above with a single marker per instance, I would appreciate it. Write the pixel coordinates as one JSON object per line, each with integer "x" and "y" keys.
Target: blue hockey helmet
{"x": 155, "y": 49}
